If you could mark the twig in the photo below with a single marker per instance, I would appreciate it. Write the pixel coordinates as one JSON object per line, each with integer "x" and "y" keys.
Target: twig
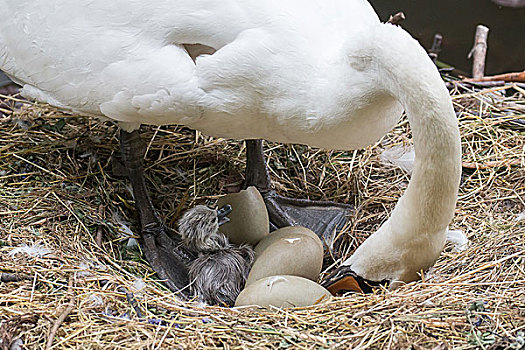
{"x": 72, "y": 213}
{"x": 63, "y": 316}
{"x": 100, "y": 229}
{"x": 39, "y": 167}
{"x": 14, "y": 277}
{"x": 132, "y": 301}
{"x": 6, "y": 111}
{"x": 469, "y": 83}
{"x": 436, "y": 47}
{"x": 494, "y": 164}
{"x": 514, "y": 77}
{"x": 397, "y": 18}
{"x": 479, "y": 51}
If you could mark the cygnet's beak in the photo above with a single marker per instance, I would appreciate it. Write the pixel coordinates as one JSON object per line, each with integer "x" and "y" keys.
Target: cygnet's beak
{"x": 222, "y": 214}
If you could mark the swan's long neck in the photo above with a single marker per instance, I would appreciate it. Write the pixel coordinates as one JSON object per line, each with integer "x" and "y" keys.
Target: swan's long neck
{"x": 429, "y": 201}
{"x": 414, "y": 235}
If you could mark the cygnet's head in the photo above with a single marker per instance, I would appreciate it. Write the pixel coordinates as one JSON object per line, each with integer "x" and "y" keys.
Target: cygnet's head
{"x": 217, "y": 278}
{"x": 199, "y": 229}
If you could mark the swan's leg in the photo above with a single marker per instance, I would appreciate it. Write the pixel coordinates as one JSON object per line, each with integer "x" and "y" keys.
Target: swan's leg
{"x": 322, "y": 217}
{"x": 161, "y": 247}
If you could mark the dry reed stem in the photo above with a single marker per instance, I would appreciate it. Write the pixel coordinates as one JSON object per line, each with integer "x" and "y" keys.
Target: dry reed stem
{"x": 69, "y": 307}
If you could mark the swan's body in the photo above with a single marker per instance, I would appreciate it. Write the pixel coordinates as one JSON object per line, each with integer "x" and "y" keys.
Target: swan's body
{"x": 277, "y": 75}
{"x": 325, "y": 73}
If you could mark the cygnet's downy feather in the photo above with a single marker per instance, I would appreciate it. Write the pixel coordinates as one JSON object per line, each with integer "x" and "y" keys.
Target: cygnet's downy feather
{"x": 217, "y": 278}
{"x": 199, "y": 229}
{"x": 219, "y": 273}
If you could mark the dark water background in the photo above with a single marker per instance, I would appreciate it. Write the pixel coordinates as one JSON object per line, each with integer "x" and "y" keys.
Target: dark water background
{"x": 456, "y": 20}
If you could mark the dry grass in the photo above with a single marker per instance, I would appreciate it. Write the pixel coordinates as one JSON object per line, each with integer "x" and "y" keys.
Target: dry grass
{"x": 57, "y": 188}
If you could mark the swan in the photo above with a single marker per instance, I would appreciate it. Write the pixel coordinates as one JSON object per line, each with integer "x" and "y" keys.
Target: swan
{"x": 325, "y": 73}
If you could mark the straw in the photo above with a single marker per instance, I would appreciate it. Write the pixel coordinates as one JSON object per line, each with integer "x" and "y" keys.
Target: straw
{"x": 58, "y": 192}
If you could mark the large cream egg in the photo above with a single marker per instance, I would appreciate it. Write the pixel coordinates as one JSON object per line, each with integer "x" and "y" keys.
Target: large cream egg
{"x": 249, "y": 221}
{"x": 292, "y": 254}
{"x": 285, "y": 231}
{"x": 283, "y": 291}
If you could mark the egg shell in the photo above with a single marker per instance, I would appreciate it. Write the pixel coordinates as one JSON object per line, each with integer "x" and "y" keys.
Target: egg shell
{"x": 293, "y": 254}
{"x": 285, "y": 231}
{"x": 283, "y": 291}
{"x": 249, "y": 221}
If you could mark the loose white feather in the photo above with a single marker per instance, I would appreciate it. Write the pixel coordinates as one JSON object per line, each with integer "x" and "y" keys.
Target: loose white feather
{"x": 401, "y": 156}
{"x": 35, "y": 250}
{"x": 96, "y": 300}
{"x": 139, "y": 285}
{"x": 459, "y": 239}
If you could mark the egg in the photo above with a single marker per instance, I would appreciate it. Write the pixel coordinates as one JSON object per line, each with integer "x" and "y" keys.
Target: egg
{"x": 288, "y": 254}
{"x": 283, "y": 291}
{"x": 285, "y": 231}
{"x": 249, "y": 221}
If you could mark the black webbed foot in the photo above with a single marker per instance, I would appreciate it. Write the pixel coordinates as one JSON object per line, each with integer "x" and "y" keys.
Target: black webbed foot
{"x": 167, "y": 256}
{"x": 322, "y": 217}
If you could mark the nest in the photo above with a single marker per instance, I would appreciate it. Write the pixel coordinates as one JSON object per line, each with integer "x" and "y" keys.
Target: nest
{"x": 86, "y": 284}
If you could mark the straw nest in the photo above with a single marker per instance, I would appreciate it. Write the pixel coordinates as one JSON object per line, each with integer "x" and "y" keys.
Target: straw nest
{"x": 85, "y": 283}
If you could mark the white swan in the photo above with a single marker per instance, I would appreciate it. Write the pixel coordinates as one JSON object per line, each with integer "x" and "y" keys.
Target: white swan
{"x": 325, "y": 73}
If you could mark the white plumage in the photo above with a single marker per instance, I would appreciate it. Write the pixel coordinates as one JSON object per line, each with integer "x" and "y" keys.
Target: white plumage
{"x": 325, "y": 73}
{"x": 278, "y": 64}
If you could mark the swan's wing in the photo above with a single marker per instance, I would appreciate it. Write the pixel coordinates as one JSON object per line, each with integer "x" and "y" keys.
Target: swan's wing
{"x": 80, "y": 54}
{"x": 124, "y": 58}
